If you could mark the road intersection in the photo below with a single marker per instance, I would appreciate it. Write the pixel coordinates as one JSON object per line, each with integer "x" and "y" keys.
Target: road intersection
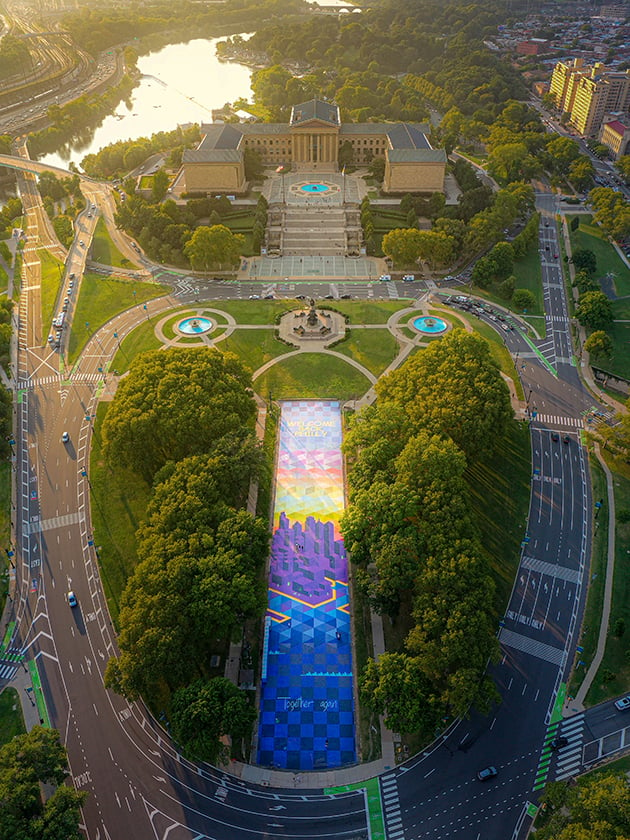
{"x": 139, "y": 783}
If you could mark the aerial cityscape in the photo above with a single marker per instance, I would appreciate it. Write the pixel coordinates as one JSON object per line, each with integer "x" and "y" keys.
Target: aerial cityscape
{"x": 315, "y": 406}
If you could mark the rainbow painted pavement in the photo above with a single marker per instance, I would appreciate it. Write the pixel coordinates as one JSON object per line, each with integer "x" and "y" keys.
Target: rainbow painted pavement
{"x": 307, "y": 706}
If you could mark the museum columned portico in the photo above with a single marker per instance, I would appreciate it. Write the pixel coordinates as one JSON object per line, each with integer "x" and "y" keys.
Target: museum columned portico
{"x": 311, "y": 141}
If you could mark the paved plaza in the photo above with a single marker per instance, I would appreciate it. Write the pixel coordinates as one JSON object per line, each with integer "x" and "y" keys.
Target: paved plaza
{"x": 307, "y": 709}
{"x": 311, "y": 268}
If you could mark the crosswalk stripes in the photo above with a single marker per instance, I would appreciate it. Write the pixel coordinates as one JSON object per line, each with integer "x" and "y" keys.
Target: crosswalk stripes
{"x": 391, "y": 807}
{"x": 56, "y": 379}
{"x": 526, "y": 644}
{"x": 568, "y": 757}
{"x": 9, "y": 661}
{"x": 558, "y": 420}
{"x": 392, "y": 291}
{"x": 7, "y": 671}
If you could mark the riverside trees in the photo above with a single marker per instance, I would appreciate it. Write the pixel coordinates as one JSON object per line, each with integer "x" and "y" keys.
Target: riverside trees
{"x": 183, "y": 420}
{"x": 409, "y": 529}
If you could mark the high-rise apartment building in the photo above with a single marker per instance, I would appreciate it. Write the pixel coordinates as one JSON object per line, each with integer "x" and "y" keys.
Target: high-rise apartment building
{"x": 587, "y": 94}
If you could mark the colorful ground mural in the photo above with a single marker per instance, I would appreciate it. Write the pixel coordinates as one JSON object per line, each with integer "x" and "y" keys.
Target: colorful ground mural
{"x": 307, "y": 708}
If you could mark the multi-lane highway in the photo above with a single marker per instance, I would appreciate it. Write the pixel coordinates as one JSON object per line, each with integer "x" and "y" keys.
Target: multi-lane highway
{"x": 139, "y": 784}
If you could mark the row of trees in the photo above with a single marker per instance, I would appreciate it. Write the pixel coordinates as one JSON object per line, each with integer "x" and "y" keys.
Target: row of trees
{"x": 183, "y": 421}
{"x": 596, "y": 808}
{"x": 63, "y": 201}
{"x": 99, "y": 28}
{"x": 360, "y": 63}
{"x": 120, "y": 157}
{"x": 168, "y": 232}
{"x": 410, "y": 531}
{"x": 452, "y": 237}
{"x": 612, "y": 212}
{"x": 27, "y": 762}
{"x": 78, "y": 119}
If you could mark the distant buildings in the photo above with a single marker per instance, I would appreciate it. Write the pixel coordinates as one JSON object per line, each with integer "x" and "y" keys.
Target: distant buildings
{"x": 588, "y": 93}
{"x": 311, "y": 142}
{"x": 616, "y": 136}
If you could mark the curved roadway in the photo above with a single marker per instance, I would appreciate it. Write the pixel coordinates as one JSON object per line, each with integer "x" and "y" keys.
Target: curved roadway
{"x": 139, "y": 784}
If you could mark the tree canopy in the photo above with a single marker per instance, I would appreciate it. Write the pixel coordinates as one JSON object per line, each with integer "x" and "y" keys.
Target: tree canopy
{"x": 596, "y": 809}
{"x": 25, "y": 762}
{"x": 176, "y": 403}
{"x": 198, "y": 572}
{"x": 454, "y": 386}
{"x": 205, "y": 711}
{"x": 411, "y": 535}
{"x": 594, "y": 310}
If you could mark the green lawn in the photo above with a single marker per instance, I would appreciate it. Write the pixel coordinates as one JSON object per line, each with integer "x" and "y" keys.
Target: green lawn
{"x": 99, "y": 300}
{"x": 52, "y": 278}
{"x": 503, "y": 483}
{"x": 366, "y": 311}
{"x": 11, "y": 720}
{"x": 384, "y": 221}
{"x": 6, "y": 478}
{"x": 374, "y": 349}
{"x": 591, "y": 236}
{"x": 619, "y": 364}
{"x": 254, "y": 347}
{"x": 104, "y": 251}
{"x": 139, "y": 340}
{"x": 255, "y": 311}
{"x": 616, "y": 657}
{"x": 118, "y": 499}
{"x": 312, "y": 376}
{"x": 528, "y": 276}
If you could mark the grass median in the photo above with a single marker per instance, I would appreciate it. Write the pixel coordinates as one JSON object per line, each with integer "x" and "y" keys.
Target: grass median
{"x": 100, "y": 299}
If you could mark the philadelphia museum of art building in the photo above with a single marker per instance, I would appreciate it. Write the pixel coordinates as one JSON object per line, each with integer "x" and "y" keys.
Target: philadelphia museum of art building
{"x": 311, "y": 143}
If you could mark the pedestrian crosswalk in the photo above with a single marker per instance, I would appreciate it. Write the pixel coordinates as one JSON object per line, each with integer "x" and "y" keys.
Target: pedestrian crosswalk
{"x": 56, "y": 379}
{"x": 564, "y": 741}
{"x": 558, "y": 420}
{"x": 508, "y": 638}
{"x": 9, "y": 662}
{"x": 391, "y": 807}
{"x": 7, "y": 671}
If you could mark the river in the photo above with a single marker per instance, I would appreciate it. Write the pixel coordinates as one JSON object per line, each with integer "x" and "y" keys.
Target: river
{"x": 181, "y": 83}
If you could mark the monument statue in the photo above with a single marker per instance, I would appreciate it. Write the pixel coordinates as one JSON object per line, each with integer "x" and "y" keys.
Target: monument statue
{"x": 311, "y": 318}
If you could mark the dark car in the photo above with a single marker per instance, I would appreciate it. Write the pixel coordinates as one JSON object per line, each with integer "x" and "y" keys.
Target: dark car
{"x": 487, "y": 773}
{"x": 558, "y": 743}
{"x": 555, "y": 437}
{"x": 566, "y": 439}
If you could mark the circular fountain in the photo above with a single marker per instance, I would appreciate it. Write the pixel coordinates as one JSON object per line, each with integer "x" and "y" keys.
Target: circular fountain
{"x": 430, "y": 325}
{"x": 195, "y": 326}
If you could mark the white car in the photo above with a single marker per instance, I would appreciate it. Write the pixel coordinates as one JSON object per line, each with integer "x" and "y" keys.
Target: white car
{"x": 623, "y": 705}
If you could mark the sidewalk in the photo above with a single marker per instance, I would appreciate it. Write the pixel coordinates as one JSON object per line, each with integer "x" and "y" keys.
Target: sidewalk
{"x": 576, "y": 704}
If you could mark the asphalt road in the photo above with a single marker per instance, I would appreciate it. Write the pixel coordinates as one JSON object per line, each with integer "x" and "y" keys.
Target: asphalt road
{"x": 140, "y": 786}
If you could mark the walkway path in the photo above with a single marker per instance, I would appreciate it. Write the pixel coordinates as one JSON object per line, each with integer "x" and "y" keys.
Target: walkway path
{"x": 577, "y": 703}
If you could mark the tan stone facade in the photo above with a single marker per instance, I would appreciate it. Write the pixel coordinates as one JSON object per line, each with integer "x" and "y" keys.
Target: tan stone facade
{"x": 311, "y": 142}
{"x": 414, "y": 176}
{"x": 588, "y": 93}
{"x": 216, "y": 177}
